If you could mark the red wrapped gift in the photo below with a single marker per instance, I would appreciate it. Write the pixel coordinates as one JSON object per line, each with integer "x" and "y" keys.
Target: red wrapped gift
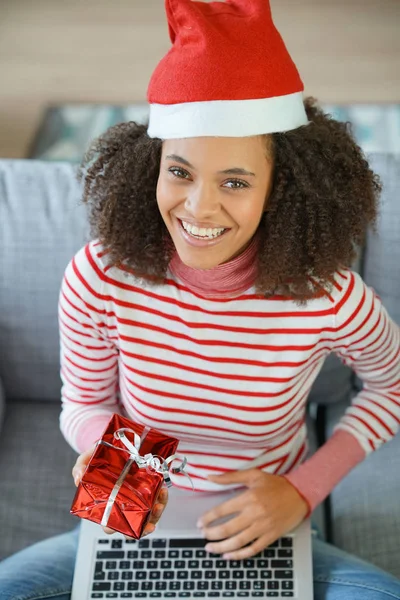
{"x": 124, "y": 476}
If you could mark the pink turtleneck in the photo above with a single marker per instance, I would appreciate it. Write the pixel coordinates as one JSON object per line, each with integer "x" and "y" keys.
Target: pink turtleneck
{"x": 318, "y": 475}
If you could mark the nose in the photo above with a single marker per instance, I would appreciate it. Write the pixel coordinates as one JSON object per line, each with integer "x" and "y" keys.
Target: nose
{"x": 202, "y": 202}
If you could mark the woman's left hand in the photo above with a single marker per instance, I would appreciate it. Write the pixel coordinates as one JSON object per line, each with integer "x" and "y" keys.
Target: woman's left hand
{"x": 267, "y": 510}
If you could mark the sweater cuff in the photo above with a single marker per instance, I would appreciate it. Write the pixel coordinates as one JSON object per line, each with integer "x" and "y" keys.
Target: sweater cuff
{"x": 91, "y": 431}
{"x": 318, "y": 476}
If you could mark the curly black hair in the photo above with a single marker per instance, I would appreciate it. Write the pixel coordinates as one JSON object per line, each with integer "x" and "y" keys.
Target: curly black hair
{"x": 324, "y": 198}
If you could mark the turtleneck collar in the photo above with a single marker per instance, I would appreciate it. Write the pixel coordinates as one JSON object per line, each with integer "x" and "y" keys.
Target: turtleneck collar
{"x": 227, "y": 280}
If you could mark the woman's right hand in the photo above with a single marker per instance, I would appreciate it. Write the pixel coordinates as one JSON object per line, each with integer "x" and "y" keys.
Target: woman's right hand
{"x": 158, "y": 508}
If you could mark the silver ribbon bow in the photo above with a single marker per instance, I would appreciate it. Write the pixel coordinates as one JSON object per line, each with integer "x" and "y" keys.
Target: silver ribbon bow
{"x": 149, "y": 461}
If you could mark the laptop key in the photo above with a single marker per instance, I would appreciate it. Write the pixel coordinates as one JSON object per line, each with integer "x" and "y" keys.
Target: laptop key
{"x": 251, "y": 574}
{"x": 98, "y": 567}
{"x": 189, "y": 585}
{"x": 165, "y": 564}
{"x": 262, "y": 563}
{"x": 238, "y": 574}
{"x": 116, "y": 543}
{"x": 141, "y": 595}
{"x": 287, "y": 585}
{"x": 111, "y": 595}
{"x": 155, "y": 575}
{"x": 109, "y": 554}
{"x": 144, "y": 544}
{"x": 187, "y": 543}
{"x": 127, "y": 595}
{"x": 235, "y": 564}
{"x": 111, "y": 565}
{"x": 170, "y": 595}
{"x": 282, "y": 564}
{"x": 206, "y": 564}
{"x": 248, "y": 563}
{"x": 283, "y": 574}
{"x": 112, "y": 575}
{"x": 273, "y": 585}
{"x": 133, "y": 586}
{"x": 224, "y": 574}
{"x": 287, "y": 594}
{"x": 243, "y": 594}
{"x": 119, "y": 586}
{"x": 159, "y": 553}
{"x": 97, "y": 595}
{"x": 272, "y": 594}
{"x": 155, "y": 595}
{"x": 137, "y": 565}
{"x": 187, "y": 553}
{"x": 210, "y": 574}
{"x": 230, "y": 585}
{"x": 133, "y": 554}
{"x": 161, "y": 585}
{"x": 228, "y": 594}
{"x": 244, "y": 585}
{"x": 221, "y": 564}
{"x": 265, "y": 574}
{"x": 174, "y": 586}
{"x": 180, "y": 564}
{"x": 140, "y": 575}
{"x": 213, "y": 594}
{"x": 217, "y": 585}
{"x": 127, "y": 575}
{"x": 101, "y": 587}
{"x": 168, "y": 575}
{"x": 258, "y": 585}
{"x": 159, "y": 543}
{"x": 200, "y": 554}
{"x": 269, "y": 553}
{"x": 199, "y": 594}
{"x": 285, "y": 553}
{"x": 146, "y": 586}
{"x": 152, "y": 564}
{"x": 257, "y": 594}
{"x": 173, "y": 553}
{"x": 182, "y": 575}
{"x": 99, "y": 576}
{"x": 124, "y": 565}
{"x": 103, "y": 541}
{"x": 202, "y": 585}
{"x": 146, "y": 554}
{"x": 184, "y": 595}
{"x": 196, "y": 574}
{"x": 287, "y": 542}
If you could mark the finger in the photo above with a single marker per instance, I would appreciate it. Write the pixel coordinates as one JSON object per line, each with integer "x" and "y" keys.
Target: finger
{"x": 250, "y": 550}
{"x": 246, "y": 476}
{"x": 156, "y": 513}
{"x": 163, "y": 495}
{"x": 108, "y": 530}
{"x": 234, "y": 543}
{"x": 150, "y": 527}
{"x": 230, "y": 507}
{"x": 228, "y": 529}
{"x": 81, "y": 464}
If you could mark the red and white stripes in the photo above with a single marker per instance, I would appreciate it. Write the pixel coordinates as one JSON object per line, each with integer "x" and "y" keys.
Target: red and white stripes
{"x": 228, "y": 377}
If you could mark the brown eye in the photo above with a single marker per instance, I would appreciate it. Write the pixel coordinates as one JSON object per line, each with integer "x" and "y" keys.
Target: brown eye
{"x": 238, "y": 184}
{"x": 178, "y": 172}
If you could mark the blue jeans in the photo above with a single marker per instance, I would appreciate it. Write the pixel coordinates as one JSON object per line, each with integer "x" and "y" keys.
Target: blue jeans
{"x": 44, "y": 571}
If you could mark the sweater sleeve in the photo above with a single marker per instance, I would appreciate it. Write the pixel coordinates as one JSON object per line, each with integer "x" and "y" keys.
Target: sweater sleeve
{"x": 89, "y": 358}
{"x": 367, "y": 340}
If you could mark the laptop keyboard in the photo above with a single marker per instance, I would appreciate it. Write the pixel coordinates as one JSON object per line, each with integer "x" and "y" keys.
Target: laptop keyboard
{"x": 181, "y": 568}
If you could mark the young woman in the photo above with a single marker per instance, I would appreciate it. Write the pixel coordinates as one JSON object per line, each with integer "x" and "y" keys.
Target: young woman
{"x": 217, "y": 283}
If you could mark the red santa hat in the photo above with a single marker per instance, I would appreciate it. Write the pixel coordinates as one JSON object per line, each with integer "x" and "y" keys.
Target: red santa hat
{"x": 227, "y": 74}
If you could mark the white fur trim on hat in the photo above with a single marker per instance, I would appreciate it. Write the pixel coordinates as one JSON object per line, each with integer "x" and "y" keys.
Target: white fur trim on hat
{"x": 227, "y": 118}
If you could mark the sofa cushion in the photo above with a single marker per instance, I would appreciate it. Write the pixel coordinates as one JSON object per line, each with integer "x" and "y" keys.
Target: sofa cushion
{"x": 365, "y": 505}
{"x": 42, "y": 225}
{"x": 36, "y": 483}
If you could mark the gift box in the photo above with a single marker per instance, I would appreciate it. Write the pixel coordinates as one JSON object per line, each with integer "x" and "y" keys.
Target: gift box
{"x": 123, "y": 478}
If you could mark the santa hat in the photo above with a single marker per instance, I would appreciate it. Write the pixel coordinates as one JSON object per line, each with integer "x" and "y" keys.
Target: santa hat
{"x": 228, "y": 73}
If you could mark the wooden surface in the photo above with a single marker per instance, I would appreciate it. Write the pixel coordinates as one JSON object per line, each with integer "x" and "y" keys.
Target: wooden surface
{"x": 60, "y": 51}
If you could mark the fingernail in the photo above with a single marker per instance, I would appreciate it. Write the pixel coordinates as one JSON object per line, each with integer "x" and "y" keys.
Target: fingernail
{"x": 208, "y": 547}
{"x": 227, "y": 556}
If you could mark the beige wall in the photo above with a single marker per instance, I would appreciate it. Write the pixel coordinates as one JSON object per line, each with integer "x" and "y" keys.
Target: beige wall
{"x": 103, "y": 51}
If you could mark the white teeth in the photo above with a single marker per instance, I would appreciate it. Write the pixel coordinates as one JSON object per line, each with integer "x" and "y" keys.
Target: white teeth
{"x": 202, "y": 232}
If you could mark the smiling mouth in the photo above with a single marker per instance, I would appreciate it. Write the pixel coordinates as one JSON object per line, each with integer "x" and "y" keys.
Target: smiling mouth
{"x": 202, "y": 233}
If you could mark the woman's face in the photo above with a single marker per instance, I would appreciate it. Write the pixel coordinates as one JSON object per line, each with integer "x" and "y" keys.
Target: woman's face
{"x": 211, "y": 193}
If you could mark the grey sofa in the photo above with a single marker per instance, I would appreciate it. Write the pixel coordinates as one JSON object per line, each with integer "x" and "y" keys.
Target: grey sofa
{"x": 42, "y": 224}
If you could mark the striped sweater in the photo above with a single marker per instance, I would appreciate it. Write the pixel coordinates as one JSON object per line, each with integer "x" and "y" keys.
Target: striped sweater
{"x": 229, "y": 377}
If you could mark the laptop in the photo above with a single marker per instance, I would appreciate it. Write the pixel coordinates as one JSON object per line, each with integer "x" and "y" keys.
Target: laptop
{"x": 172, "y": 563}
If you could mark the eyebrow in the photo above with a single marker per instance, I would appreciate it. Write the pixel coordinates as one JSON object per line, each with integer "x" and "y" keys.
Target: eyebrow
{"x": 232, "y": 171}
